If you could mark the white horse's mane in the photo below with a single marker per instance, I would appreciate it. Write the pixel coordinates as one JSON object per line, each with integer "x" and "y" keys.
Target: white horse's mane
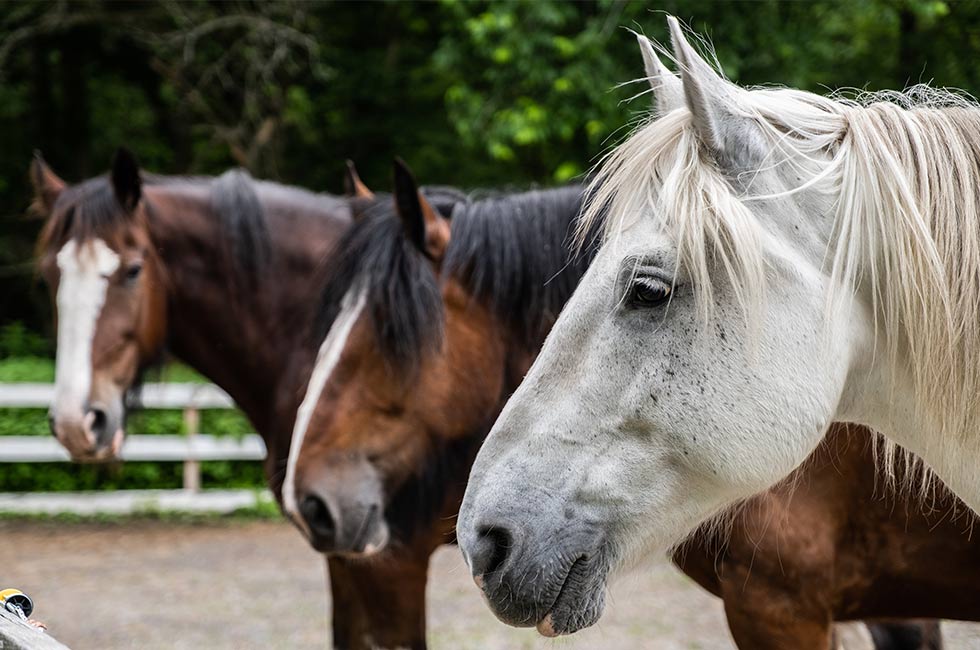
{"x": 905, "y": 168}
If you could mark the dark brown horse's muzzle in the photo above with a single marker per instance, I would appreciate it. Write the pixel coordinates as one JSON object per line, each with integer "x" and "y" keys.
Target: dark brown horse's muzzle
{"x": 93, "y": 435}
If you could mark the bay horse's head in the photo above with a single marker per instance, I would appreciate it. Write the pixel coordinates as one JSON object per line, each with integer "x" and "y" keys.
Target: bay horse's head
{"x": 384, "y": 417}
{"x": 106, "y": 282}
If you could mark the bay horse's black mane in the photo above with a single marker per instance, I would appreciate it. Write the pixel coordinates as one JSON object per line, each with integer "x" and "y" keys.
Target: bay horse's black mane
{"x": 510, "y": 251}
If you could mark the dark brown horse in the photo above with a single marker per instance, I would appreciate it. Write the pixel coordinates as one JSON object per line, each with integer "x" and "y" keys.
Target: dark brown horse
{"x": 139, "y": 263}
{"x": 435, "y": 321}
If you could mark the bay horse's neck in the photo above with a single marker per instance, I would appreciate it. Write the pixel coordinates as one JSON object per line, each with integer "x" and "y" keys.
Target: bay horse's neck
{"x": 254, "y": 345}
{"x": 514, "y": 253}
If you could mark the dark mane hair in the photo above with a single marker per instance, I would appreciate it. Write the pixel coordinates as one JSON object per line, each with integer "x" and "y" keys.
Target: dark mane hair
{"x": 91, "y": 209}
{"x": 88, "y": 209}
{"x": 403, "y": 294}
{"x": 511, "y": 251}
{"x": 246, "y": 234}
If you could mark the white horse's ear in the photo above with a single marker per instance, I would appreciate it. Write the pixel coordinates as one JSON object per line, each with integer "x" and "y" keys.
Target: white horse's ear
{"x": 709, "y": 97}
{"x": 668, "y": 92}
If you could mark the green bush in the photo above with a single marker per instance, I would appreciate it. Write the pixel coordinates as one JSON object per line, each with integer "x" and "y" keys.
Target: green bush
{"x": 21, "y": 369}
{"x": 66, "y": 477}
{"x": 18, "y": 341}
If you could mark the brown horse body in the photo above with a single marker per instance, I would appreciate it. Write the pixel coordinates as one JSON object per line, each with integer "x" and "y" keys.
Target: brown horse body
{"x": 834, "y": 543}
{"x": 825, "y": 546}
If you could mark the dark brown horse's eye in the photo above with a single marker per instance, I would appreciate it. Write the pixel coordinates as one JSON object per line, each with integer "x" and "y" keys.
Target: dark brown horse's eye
{"x": 133, "y": 271}
{"x": 648, "y": 292}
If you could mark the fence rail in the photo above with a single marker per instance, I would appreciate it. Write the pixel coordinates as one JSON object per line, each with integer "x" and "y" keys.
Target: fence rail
{"x": 152, "y": 396}
{"x": 162, "y": 448}
{"x": 190, "y": 449}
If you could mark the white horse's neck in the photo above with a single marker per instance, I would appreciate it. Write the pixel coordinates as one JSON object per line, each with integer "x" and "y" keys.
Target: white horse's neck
{"x": 916, "y": 377}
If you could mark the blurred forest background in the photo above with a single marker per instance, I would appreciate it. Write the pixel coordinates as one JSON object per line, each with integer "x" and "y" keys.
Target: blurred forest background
{"x": 470, "y": 93}
{"x": 473, "y": 94}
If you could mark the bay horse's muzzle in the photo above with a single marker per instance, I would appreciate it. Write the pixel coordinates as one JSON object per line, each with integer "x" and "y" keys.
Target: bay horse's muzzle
{"x": 343, "y": 510}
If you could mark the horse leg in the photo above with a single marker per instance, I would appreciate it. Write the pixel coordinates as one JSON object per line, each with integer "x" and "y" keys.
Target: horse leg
{"x": 378, "y": 603}
{"x": 906, "y": 635}
{"x": 763, "y": 618}
{"x": 761, "y": 634}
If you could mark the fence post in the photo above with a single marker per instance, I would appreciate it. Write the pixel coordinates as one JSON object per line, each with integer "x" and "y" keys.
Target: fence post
{"x": 192, "y": 468}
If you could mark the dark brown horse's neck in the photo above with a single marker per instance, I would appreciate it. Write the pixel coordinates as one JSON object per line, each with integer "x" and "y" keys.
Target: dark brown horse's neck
{"x": 253, "y": 343}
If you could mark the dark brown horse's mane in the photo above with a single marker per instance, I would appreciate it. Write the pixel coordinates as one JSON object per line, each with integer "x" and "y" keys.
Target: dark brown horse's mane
{"x": 83, "y": 211}
{"x": 510, "y": 251}
{"x": 90, "y": 209}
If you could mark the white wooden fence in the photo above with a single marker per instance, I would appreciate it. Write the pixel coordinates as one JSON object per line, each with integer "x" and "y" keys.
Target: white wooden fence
{"x": 190, "y": 449}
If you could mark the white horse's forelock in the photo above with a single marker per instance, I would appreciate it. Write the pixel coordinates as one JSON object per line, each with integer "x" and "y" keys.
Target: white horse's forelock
{"x": 904, "y": 167}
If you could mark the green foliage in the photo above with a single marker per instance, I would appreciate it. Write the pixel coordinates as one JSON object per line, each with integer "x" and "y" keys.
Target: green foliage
{"x": 62, "y": 477}
{"x": 470, "y": 93}
{"x": 18, "y": 341}
{"x": 530, "y": 83}
{"x": 26, "y": 369}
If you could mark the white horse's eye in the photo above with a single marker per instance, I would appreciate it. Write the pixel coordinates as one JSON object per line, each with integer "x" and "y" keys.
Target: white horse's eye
{"x": 647, "y": 292}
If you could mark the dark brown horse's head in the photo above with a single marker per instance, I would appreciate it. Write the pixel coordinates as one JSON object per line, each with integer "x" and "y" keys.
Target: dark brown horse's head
{"x": 106, "y": 282}
{"x": 415, "y": 363}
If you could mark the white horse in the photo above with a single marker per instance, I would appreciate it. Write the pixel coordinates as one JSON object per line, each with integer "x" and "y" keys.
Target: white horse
{"x": 773, "y": 261}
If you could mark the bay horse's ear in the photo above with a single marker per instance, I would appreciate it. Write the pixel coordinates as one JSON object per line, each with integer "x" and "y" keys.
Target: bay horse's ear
{"x": 354, "y": 187}
{"x": 668, "y": 93}
{"x": 126, "y": 182}
{"x": 709, "y": 97}
{"x": 47, "y": 185}
{"x": 425, "y": 227}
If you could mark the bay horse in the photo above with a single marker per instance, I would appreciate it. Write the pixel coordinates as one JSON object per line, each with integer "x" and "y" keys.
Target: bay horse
{"x": 424, "y": 335}
{"x": 773, "y": 261}
{"x": 222, "y": 272}
{"x": 434, "y": 322}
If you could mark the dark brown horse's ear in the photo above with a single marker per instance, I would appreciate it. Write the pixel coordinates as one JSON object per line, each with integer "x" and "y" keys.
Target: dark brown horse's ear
{"x": 425, "y": 227}
{"x": 47, "y": 185}
{"x": 354, "y": 187}
{"x": 126, "y": 181}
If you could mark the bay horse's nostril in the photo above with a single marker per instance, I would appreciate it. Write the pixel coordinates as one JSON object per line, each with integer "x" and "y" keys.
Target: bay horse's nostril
{"x": 490, "y": 550}
{"x": 317, "y": 515}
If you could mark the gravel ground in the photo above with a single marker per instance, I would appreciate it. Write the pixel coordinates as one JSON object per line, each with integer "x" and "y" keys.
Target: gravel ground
{"x": 257, "y": 585}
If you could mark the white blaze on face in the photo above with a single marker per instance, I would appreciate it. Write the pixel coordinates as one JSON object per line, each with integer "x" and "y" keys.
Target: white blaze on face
{"x": 326, "y": 360}
{"x": 85, "y": 271}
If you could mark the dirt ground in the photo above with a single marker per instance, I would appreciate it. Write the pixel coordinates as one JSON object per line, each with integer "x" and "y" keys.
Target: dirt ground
{"x": 255, "y": 584}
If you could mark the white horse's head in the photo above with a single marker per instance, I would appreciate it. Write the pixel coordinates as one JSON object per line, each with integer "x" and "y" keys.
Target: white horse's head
{"x": 730, "y": 315}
